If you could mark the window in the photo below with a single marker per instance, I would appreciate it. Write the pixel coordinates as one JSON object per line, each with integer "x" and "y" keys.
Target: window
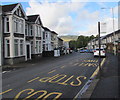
{"x": 36, "y": 30}
{"x": 21, "y": 47}
{"x": 16, "y": 47}
{"x": 32, "y": 47}
{"x": 6, "y": 24}
{"x": 31, "y": 30}
{"x": 16, "y": 25}
{"x": 7, "y": 48}
{"x": 39, "y": 31}
{"x": 43, "y": 35}
{"x": 26, "y": 29}
{"x": 39, "y": 46}
{"x": 21, "y": 26}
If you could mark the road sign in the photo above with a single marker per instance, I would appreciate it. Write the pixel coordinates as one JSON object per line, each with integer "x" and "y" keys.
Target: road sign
{"x": 103, "y": 27}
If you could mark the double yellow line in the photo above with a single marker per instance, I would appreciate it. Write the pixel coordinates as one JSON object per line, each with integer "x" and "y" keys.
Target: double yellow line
{"x": 97, "y": 70}
{"x": 5, "y": 91}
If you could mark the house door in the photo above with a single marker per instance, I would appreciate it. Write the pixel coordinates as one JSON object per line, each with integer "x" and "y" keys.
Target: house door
{"x": 28, "y": 51}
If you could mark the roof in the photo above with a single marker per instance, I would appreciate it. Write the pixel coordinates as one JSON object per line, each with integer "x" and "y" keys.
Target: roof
{"x": 32, "y": 18}
{"x": 8, "y": 8}
{"x": 54, "y": 32}
{"x": 45, "y": 28}
{"x": 60, "y": 39}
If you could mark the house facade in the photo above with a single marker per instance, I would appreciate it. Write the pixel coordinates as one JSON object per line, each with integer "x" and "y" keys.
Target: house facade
{"x": 34, "y": 37}
{"x": 14, "y": 33}
{"x": 23, "y": 35}
{"x": 109, "y": 42}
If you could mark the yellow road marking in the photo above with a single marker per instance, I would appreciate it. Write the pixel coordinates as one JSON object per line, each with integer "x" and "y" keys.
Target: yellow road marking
{"x": 33, "y": 79}
{"x": 76, "y": 64}
{"x": 62, "y": 67}
{"x": 81, "y": 64}
{"x": 51, "y": 71}
{"x": 97, "y": 70}
{"x": 5, "y": 91}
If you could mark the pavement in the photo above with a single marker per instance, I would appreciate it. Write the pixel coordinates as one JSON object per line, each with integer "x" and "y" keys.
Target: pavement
{"x": 108, "y": 85}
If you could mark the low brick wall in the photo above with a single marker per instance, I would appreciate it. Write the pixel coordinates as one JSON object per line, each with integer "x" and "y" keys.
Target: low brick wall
{"x": 48, "y": 53}
{"x": 36, "y": 56}
{"x": 15, "y": 60}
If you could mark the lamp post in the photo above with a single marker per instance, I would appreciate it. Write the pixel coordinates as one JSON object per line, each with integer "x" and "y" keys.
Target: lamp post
{"x": 113, "y": 28}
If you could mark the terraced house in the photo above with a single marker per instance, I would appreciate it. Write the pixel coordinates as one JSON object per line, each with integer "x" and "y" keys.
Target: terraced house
{"x": 14, "y": 33}
{"x": 25, "y": 37}
{"x": 33, "y": 33}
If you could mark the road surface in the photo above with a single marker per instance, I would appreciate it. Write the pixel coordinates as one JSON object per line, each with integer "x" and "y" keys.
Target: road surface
{"x": 61, "y": 77}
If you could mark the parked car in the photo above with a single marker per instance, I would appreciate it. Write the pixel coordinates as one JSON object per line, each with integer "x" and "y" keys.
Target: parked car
{"x": 91, "y": 50}
{"x": 81, "y": 51}
{"x": 102, "y": 52}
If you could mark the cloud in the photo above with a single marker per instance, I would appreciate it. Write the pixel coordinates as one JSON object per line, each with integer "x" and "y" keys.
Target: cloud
{"x": 69, "y": 18}
{"x": 55, "y": 16}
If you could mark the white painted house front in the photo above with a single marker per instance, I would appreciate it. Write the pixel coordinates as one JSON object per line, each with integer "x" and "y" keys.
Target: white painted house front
{"x": 14, "y": 33}
{"x": 34, "y": 37}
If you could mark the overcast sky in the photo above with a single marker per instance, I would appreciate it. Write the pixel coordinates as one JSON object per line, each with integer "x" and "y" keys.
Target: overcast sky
{"x": 73, "y": 17}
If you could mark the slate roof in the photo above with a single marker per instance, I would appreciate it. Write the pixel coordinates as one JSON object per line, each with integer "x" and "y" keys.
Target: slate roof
{"x": 8, "y": 8}
{"x": 32, "y": 18}
{"x": 60, "y": 39}
{"x": 54, "y": 32}
{"x": 45, "y": 28}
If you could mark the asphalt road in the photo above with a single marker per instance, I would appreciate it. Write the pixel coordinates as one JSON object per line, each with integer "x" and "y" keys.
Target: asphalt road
{"x": 61, "y": 77}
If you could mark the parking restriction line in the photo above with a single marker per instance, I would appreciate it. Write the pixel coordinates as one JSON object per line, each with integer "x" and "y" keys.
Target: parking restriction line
{"x": 5, "y": 91}
{"x": 76, "y": 64}
{"x": 51, "y": 71}
{"x": 62, "y": 67}
{"x": 33, "y": 79}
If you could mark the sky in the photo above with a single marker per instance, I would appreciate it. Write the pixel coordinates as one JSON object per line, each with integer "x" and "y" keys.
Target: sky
{"x": 73, "y": 17}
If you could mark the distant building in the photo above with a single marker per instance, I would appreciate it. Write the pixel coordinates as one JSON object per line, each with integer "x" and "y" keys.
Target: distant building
{"x": 107, "y": 42}
{"x": 60, "y": 42}
{"x": 66, "y": 44}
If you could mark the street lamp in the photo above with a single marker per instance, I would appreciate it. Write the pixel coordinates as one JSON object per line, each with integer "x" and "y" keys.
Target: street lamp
{"x": 113, "y": 28}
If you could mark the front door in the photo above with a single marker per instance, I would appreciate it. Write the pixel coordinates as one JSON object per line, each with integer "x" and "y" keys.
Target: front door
{"x": 28, "y": 51}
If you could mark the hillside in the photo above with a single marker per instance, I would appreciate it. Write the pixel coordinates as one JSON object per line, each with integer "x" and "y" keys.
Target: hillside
{"x": 69, "y": 37}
